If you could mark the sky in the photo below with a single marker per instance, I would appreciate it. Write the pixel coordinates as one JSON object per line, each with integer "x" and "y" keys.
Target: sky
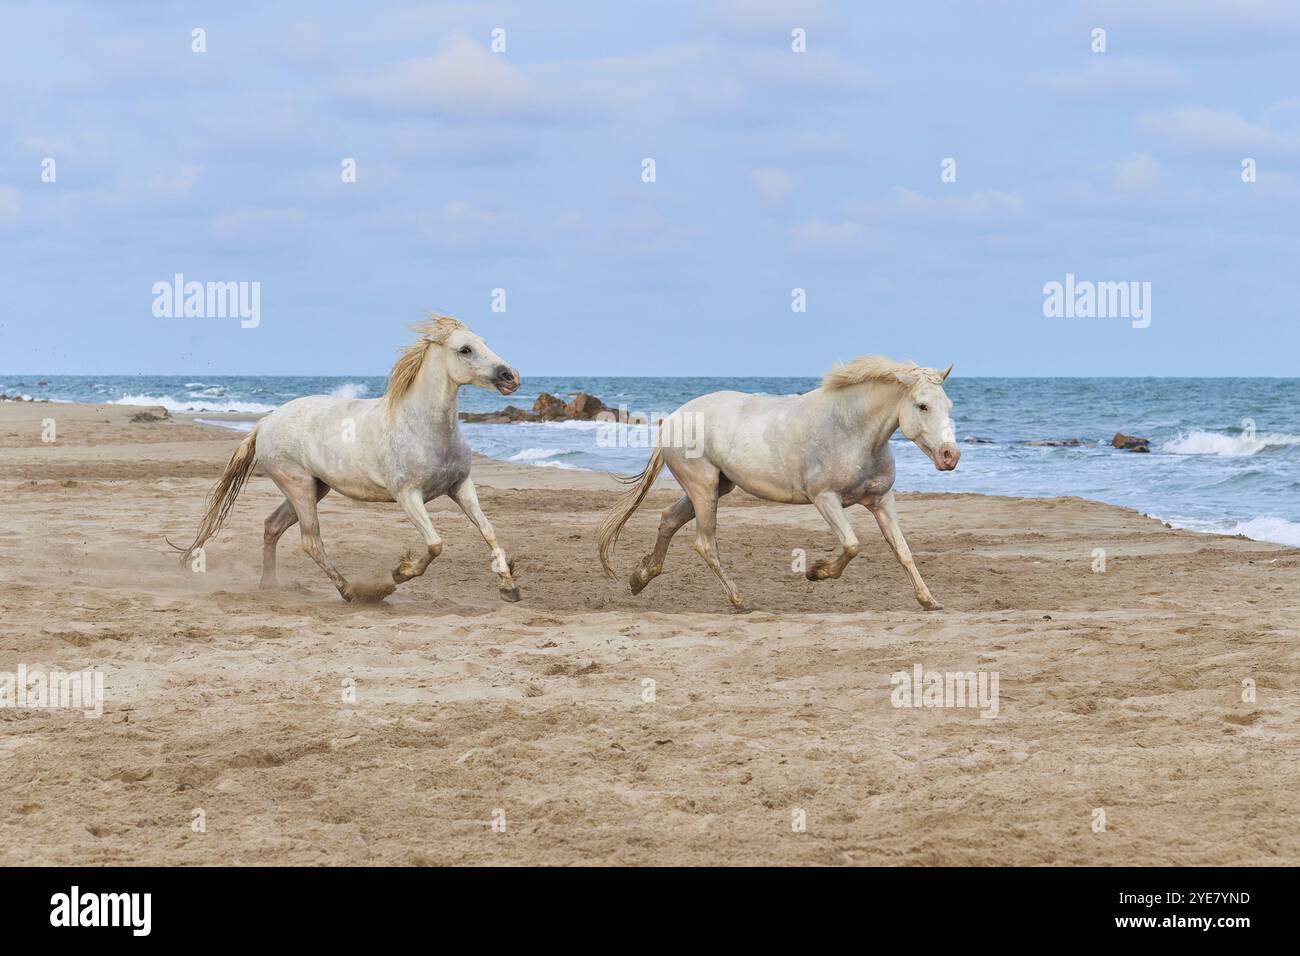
{"x": 523, "y": 169}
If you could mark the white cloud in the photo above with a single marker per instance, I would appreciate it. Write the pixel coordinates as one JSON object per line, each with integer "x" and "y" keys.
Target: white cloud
{"x": 1219, "y": 133}
{"x": 1113, "y": 76}
{"x": 773, "y": 185}
{"x": 772, "y": 19}
{"x": 1137, "y": 172}
{"x": 464, "y": 81}
{"x": 8, "y": 205}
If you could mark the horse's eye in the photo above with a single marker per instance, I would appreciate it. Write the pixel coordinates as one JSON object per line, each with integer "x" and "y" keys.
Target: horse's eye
{"x": 924, "y": 408}
{"x": 465, "y": 350}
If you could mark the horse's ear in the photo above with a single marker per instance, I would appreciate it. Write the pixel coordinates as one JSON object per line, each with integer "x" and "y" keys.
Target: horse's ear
{"x": 907, "y": 378}
{"x": 944, "y": 376}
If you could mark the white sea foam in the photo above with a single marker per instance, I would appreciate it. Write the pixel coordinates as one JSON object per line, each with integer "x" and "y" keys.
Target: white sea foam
{"x": 542, "y": 457}
{"x": 198, "y": 405}
{"x": 1269, "y": 528}
{"x": 1225, "y": 446}
{"x": 351, "y": 390}
{"x": 536, "y": 454}
{"x": 233, "y": 426}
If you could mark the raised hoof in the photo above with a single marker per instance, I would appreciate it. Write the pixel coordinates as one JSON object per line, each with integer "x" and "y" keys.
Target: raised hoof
{"x": 819, "y": 572}
{"x": 636, "y": 584}
{"x": 406, "y": 569}
{"x": 511, "y": 595}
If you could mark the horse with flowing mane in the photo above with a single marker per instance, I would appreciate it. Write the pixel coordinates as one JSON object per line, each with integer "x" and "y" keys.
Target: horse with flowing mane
{"x": 405, "y": 446}
{"x": 828, "y": 448}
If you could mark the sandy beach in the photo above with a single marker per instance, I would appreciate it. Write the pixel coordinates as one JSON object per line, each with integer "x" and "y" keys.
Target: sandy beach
{"x": 445, "y": 727}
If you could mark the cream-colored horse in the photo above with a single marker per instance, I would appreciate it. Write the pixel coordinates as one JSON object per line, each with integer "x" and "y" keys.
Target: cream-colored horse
{"x": 829, "y": 448}
{"x": 404, "y": 447}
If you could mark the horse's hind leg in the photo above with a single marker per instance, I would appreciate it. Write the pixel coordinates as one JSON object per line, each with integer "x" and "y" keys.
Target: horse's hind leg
{"x": 280, "y": 520}
{"x": 670, "y": 522}
{"x": 703, "y": 484}
{"x": 301, "y": 490}
{"x": 832, "y": 509}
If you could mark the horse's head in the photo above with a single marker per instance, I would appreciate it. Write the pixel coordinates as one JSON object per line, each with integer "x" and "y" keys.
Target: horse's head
{"x": 469, "y": 361}
{"x": 923, "y": 416}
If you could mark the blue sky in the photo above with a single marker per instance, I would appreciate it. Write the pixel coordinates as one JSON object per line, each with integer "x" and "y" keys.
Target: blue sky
{"x": 775, "y": 170}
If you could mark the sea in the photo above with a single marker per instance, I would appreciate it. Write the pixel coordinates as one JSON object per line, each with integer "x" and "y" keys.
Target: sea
{"x": 1225, "y": 452}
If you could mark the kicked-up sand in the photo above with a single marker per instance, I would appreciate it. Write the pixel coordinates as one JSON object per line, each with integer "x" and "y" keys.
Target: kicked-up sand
{"x": 1145, "y": 714}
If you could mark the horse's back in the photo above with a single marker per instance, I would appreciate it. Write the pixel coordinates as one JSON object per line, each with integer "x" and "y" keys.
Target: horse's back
{"x": 752, "y": 439}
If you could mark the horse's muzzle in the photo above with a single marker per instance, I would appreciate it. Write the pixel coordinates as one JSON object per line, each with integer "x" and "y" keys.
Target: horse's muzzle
{"x": 506, "y": 380}
{"x": 946, "y": 456}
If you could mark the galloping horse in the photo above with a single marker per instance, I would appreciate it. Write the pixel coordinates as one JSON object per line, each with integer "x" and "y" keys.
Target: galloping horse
{"x": 829, "y": 448}
{"x": 405, "y": 447}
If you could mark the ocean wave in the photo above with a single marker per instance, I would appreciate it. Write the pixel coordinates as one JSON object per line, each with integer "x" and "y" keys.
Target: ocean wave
{"x": 543, "y": 457}
{"x": 350, "y": 390}
{"x": 1270, "y": 528}
{"x": 1225, "y": 446}
{"x": 204, "y": 405}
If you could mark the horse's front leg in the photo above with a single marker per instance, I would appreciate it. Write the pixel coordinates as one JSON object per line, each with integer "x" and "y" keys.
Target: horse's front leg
{"x": 887, "y": 518}
{"x": 411, "y": 566}
{"x": 830, "y": 507}
{"x": 465, "y": 495}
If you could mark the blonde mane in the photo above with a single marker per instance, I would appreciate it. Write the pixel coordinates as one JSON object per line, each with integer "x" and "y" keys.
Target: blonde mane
{"x": 876, "y": 368}
{"x": 433, "y": 331}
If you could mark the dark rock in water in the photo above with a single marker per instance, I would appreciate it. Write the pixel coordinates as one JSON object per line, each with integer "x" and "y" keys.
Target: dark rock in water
{"x": 42, "y": 383}
{"x": 1130, "y": 442}
{"x": 971, "y": 439}
{"x": 503, "y": 417}
{"x": 1056, "y": 442}
{"x": 548, "y": 407}
{"x": 585, "y": 407}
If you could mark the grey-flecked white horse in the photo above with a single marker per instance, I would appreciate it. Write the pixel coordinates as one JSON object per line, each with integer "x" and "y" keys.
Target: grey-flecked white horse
{"x": 405, "y": 447}
{"x": 828, "y": 448}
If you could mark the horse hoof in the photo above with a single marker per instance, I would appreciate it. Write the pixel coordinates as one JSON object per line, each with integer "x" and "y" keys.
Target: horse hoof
{"x": 932, "y": 606}
{"x": 818, "y": 572}
{"x": 512, "y": 595}
{"x": 740, "y": 606}
{"x": 267, "y": 584}
{"x": 635, "y": 584}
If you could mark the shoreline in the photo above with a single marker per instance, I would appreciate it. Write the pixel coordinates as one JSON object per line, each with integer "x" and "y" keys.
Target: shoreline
{"x": 592, "y": 479}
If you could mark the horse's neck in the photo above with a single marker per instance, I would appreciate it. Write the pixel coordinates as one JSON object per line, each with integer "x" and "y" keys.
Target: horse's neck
{"x": 432, "y": 401}
{"x": 871, "y": 407}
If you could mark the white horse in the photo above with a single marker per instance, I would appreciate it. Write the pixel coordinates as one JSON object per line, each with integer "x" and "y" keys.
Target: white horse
{"x": 404, "y": 447}
{"x": 829, "y": 448}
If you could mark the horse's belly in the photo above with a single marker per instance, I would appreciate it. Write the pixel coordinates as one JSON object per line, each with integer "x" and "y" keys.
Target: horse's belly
{"x": 359, "y": 487}
{"x": 771, "y": 490}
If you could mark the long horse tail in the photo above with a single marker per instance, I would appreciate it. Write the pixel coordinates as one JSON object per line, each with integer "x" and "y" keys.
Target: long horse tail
{"x": 607, "y": 536}
{"x": 222, "y": 497}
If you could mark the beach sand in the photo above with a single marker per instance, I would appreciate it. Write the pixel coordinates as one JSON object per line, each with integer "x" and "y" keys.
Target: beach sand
{"x": 303, "y": 730}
